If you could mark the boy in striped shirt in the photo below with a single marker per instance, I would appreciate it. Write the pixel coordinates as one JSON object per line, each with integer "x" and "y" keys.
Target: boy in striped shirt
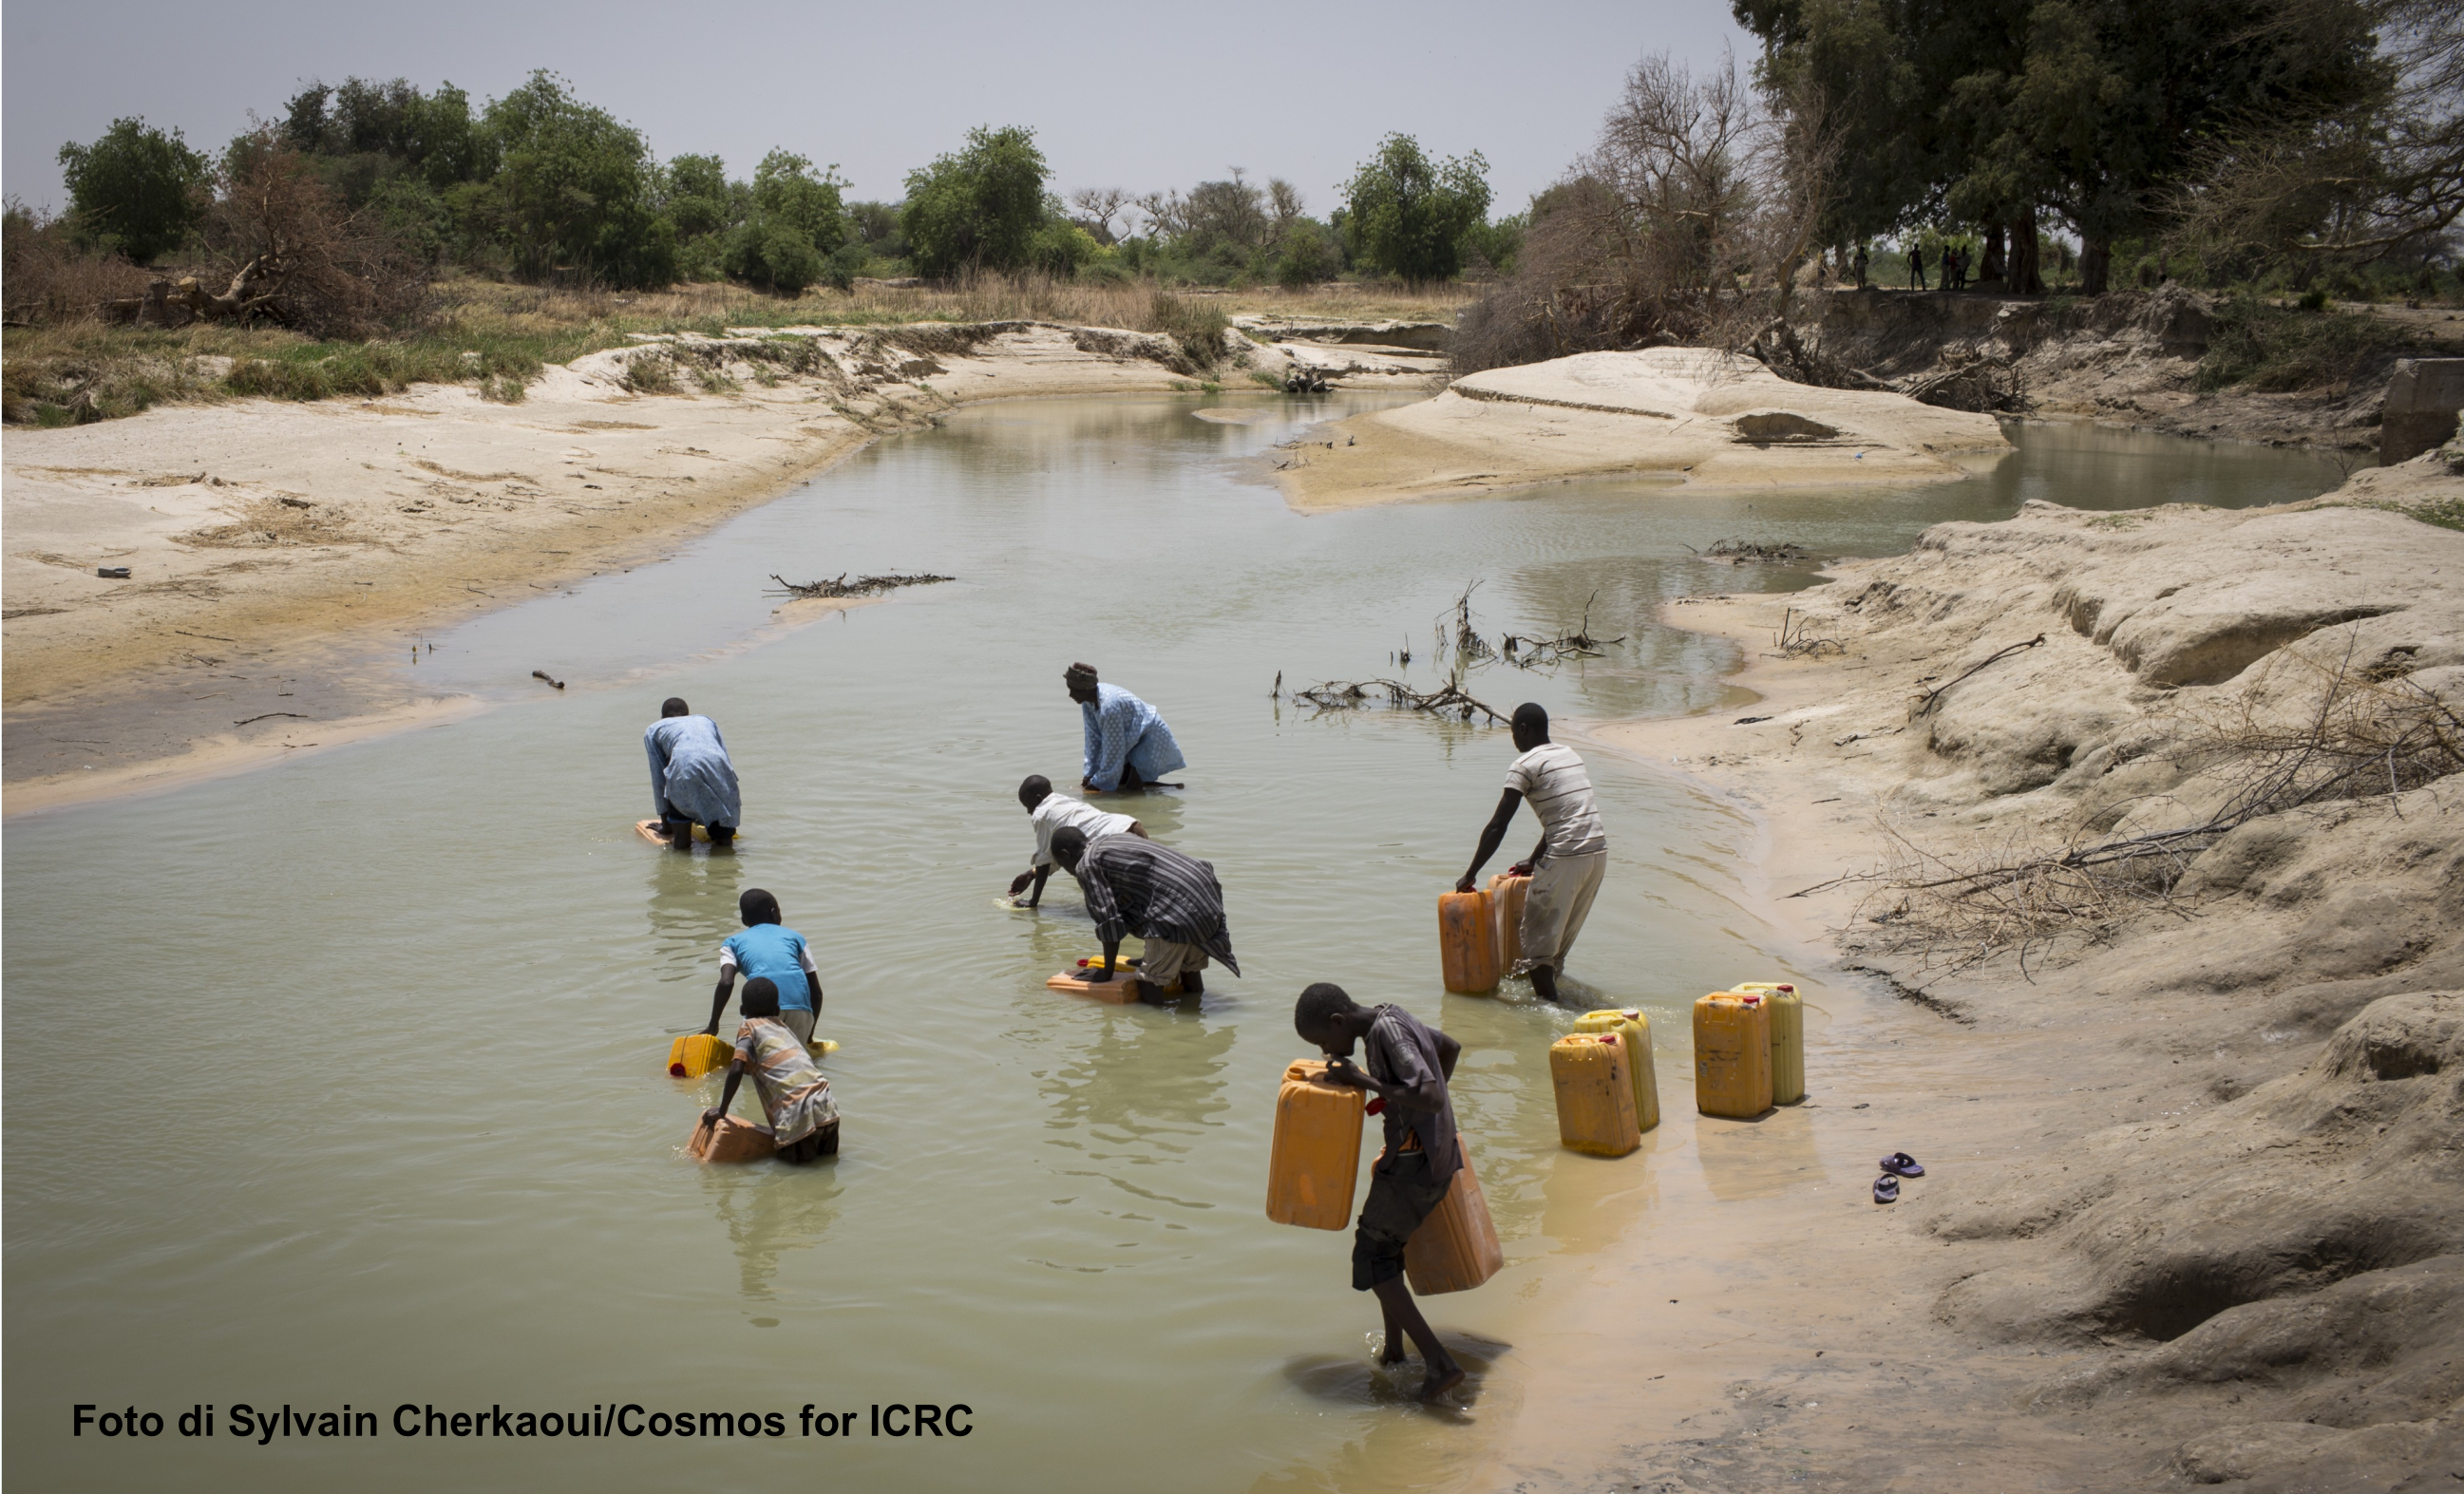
{"x": 1566, "y": 865}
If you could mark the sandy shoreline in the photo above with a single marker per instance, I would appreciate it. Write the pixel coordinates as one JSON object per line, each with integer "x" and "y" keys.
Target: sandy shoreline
{"x": 2175, "y": 1230}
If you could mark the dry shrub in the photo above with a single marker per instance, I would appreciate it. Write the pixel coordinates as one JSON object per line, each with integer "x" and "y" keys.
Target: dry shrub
{"x": 2303, "y": 730}
{"x": 1685, "y": 224}
{"x": 50, "y": 281}
{"x": 301, "y": 259}
{"x": 265, "y": 523}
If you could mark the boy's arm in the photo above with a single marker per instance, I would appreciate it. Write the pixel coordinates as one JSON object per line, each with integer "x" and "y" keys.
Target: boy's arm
{"x": 1491, "y": 834}
{"x": 718, "y": 1000}
{"x": 727, "y": 1096}
{"x": 1448, "y": 1051}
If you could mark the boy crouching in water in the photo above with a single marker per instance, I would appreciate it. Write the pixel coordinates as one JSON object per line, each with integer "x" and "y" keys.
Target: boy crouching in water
{"x": 1406, "y": 1064}
{"x": 794, "y": 1097}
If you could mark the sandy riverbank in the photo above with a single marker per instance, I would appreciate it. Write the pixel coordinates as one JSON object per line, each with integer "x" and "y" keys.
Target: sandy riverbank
{"x": 2194, "y": 1213}
{"x": 1682, "y": 415}
{"x": 282, "y": 555}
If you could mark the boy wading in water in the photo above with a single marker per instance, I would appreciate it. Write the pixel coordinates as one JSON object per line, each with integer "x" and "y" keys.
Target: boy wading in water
{"x": 1406, "y": 1064}
{"x": 768, "y": 950}
{"x": 1052, "y": 813}
{"x": 794, "y": 1097}
{"x": 1565, "y": 867}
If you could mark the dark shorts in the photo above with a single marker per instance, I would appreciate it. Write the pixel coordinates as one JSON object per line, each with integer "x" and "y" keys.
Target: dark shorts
{"x": 812, "y": 1148}
{"x": 1401, "y": 1196}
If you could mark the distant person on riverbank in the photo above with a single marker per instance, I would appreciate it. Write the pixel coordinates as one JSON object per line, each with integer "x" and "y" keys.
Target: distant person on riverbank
{"x": 1861, "y": 267}
{"x": 1407, "y": 1064}
{"x": 1127, "y": 745}
{"x": 1051, "y": 812}
{"x": 795, "y": 1098}
{"x": 1565, "y": 867}
{"x": 692, "y": 779}
{"x": 768, "y": 950}
{"x": 1172, "y": 901}
{"x": 1916, "y": 267}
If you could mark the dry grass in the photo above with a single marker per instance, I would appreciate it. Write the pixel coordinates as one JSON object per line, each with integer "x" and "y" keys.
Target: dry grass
{"x": 499, "y": 336}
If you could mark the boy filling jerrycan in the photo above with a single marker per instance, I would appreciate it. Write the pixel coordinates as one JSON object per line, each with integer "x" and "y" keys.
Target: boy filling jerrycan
{"x": 1732, "y": 1074}
{"x": 1467, "y": 942}
{"x": 1455, "y": 1248}
{"x": 1634, "y": 1029}
{"x": 1506, "y": 895}
{"x": 1595, "y": 1097}
{"x": 1787, "y": 1036}
{"x": 1315, "y": 1161}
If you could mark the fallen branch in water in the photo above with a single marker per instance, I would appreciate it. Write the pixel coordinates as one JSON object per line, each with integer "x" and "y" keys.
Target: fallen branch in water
{"x": 1739, "y": 552}
{"x": 544, "y": 674}
{"x": 1448, "y": 699}
{"x": 861, "y": 587}
{"x": 1532, "y": 653}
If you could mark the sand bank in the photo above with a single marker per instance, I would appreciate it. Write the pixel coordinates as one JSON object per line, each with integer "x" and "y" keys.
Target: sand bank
{"x": 1686, "y": 415}
{"x": 2194, "y": 1211}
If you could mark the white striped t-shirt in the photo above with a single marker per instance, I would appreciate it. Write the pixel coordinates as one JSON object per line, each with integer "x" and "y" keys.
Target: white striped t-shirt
{"x": 1553, "y": 780}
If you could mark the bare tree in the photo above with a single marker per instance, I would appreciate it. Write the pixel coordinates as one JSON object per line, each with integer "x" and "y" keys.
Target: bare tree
{"x": 1101, "y": 205}
{"x": 1687, "y": 223}
{"x": 1284, "y": 207}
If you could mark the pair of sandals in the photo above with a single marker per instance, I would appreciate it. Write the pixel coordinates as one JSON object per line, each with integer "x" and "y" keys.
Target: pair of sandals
{"x": 1896, "y": 1166}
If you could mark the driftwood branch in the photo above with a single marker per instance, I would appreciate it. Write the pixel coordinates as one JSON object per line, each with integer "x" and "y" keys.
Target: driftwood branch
{"x": 841, "y": 586}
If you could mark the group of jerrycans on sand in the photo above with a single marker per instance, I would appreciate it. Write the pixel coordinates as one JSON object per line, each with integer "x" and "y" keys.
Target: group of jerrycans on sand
{"x": 1749, "y": 1056}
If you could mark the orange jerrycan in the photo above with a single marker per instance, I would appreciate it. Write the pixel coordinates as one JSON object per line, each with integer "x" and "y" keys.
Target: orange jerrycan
{"x": 698, "y": 1053}
{"x": 731, "y": 1141}
{"x": 1594, "y": 1096}
{"x": 1455, "y": 1248}
{"x": 1506, "y": 895}
{"x": 1468, "y": 941}
{"x": 1315, "y": 1163}
{"x": 1787, "y": 1036}
{"x": 1634, "y": 1029}
{"x": 1732, "y": 1074}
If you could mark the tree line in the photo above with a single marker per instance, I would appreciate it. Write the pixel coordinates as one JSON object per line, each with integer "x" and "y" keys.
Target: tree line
{"x": 541, "y": 185}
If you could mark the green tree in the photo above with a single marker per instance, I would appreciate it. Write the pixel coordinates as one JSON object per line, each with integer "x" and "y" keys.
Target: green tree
{"x": 788, "y": 194}
{"x": 573, "y": 194}
{"x": 2091, "y": 110}
{"x": 136, "y": 191}
{"x": 1407, "y": 214}
{"x": 980, "y": 206}
{"x": 697, "y": 195}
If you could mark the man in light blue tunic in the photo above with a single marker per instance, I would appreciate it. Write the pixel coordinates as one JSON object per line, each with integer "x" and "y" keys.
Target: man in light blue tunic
{"x": 691, "y": 781}
{"x": 1127, "y": 745}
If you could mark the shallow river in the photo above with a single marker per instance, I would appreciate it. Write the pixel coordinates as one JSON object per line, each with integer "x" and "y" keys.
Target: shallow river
{"x": 340, "y": 1083}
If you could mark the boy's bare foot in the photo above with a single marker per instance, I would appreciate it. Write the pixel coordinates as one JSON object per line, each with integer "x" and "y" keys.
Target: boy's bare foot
{"x": 1440, "y": 1381}
{"x": 1392, "y": 1353}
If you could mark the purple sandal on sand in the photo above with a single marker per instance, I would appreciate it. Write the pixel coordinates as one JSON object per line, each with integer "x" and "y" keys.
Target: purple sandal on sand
{"x": 1902, "y": 1164}
{"x": 1886, "y": 1189}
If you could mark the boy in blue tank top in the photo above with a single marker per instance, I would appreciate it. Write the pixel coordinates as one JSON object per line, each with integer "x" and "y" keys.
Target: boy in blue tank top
{"x": 767, "y": 948}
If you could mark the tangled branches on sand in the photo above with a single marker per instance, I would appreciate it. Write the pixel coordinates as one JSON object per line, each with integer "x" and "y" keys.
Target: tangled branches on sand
{"x": 2339, "y": 735}
{"x": 1738, "y": 552}
{"x": 1796, "y": 644}
{"x": 1447, "y": 700}
{"x": 861, "y": 587}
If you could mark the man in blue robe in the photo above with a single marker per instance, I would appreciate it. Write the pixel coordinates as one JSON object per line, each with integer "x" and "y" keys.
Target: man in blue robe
{"x": 1127, "y": 745}
{"x": 691, "y": 781}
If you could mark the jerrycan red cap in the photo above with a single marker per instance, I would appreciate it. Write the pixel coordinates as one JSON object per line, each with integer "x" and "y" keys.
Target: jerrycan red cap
{"x": 1607, "y": 1038}
{"x": 1754, "y": 998}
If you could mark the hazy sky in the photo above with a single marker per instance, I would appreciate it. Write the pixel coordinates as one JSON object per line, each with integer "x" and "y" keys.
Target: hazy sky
{"x": 1143, "y": 96}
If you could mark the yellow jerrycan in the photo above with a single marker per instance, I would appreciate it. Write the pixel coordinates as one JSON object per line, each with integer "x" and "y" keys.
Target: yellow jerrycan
{"x": 1634, "y": 1029}
{"x": 1594, "y": 1096}
{"x": 696, "y": 1053}
{"x": 1787, "y": 1036}
{"x": 1732, "y": 1073}
{"x": 1455, "y": 1248}
{"x": 1505, "y": 897}
{"x": 1468, "y": 941}
{"x": 1314, "y": 1165}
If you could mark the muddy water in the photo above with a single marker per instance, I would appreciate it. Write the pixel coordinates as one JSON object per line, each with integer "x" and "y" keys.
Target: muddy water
{"x": 338, "y": 1084}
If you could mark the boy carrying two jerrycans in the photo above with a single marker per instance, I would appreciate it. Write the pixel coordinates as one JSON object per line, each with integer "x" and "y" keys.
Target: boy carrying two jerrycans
{"x": 794, "y": 1097}
{"x": 1405, "y": 1064}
